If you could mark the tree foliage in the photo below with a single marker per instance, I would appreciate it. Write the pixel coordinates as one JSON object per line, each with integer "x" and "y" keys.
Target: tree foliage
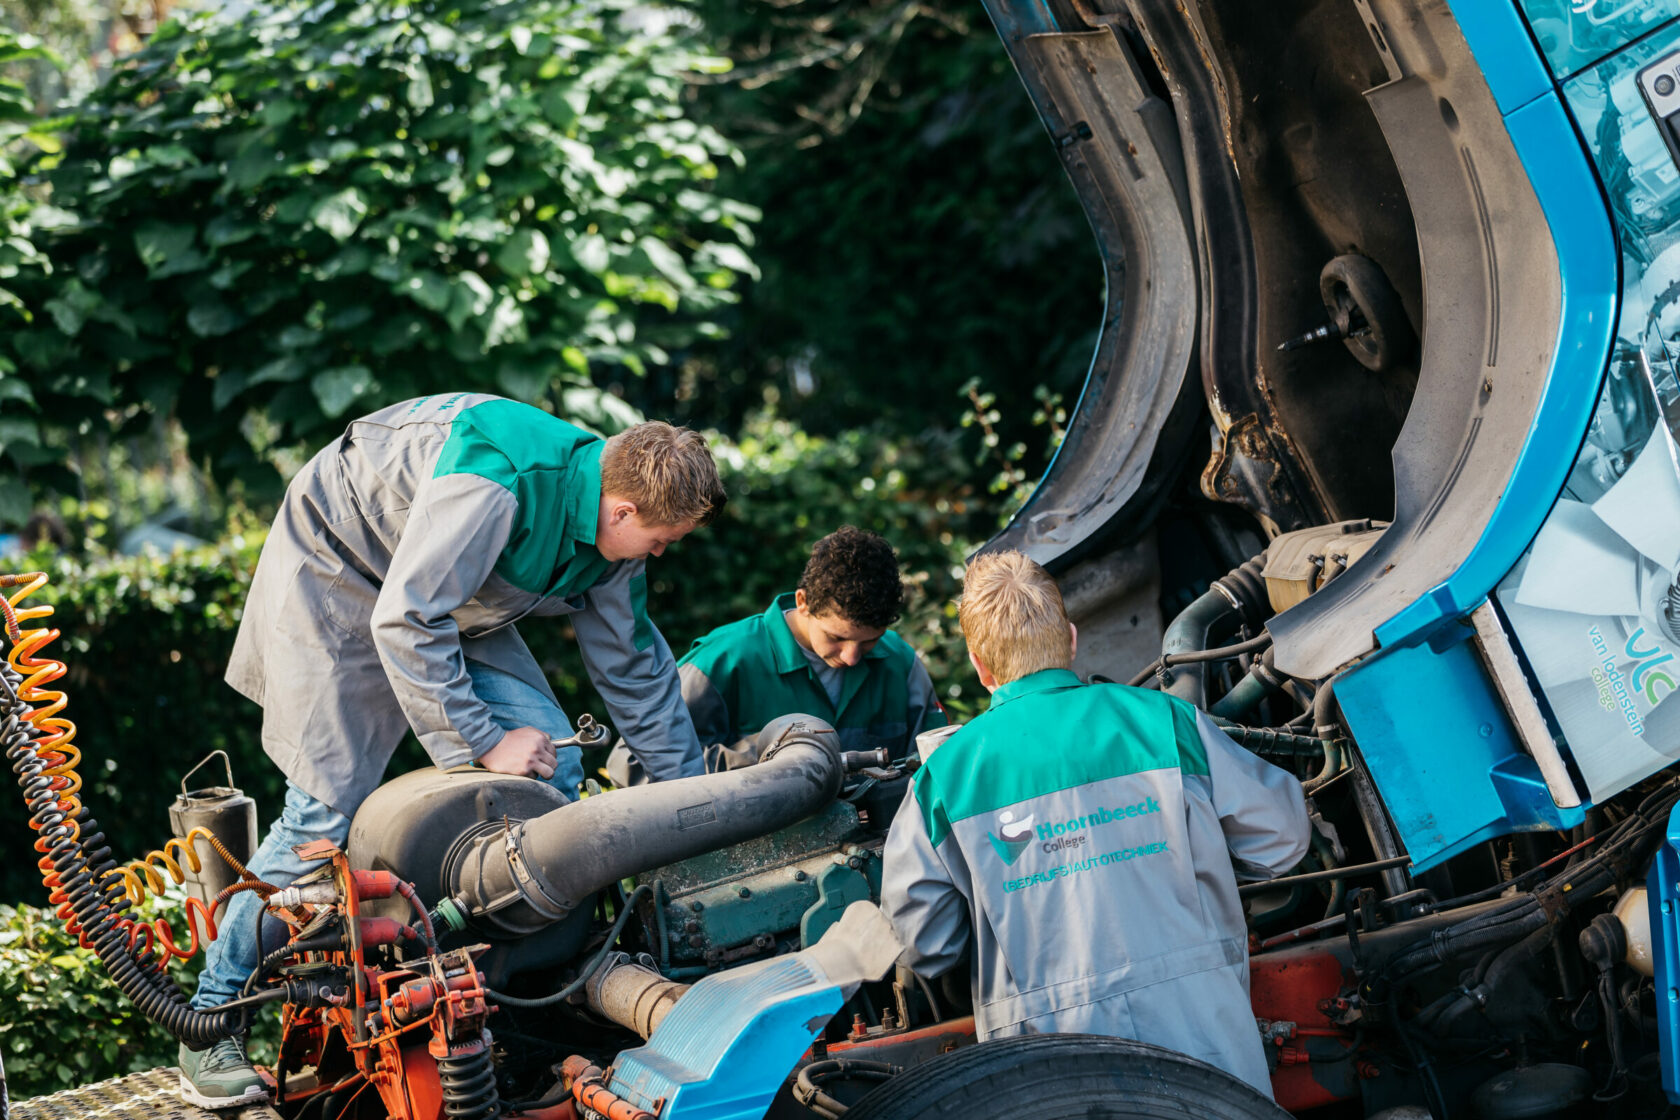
{"x": 23, "y": 265}
{"x": 918, "y": 229}
{"x": 289, "y": 215}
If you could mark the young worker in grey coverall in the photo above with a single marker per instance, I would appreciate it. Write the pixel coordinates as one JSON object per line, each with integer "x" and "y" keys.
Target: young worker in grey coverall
{"x": 1080, "y": 840}
{"x": 823, "y": 649}
{"x": 384, "y": 600}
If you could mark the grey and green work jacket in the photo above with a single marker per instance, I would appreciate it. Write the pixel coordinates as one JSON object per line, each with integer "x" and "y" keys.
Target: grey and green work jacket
{"x": 1081, "y": 840}
{"x": 751, "y": 672}
{"x": 411, "y": 544}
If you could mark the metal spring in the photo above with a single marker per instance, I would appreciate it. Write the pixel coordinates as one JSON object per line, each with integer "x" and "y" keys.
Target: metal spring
{"x": 469, "y": 1083}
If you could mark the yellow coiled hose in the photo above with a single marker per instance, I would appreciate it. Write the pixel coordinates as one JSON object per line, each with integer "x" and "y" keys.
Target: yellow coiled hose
{"x": 52, "y": 746}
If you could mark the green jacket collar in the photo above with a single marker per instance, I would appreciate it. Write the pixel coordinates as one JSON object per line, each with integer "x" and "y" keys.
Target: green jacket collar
{"x": 1042, "y": 681}
{"x": 583, "y": 500}
{"x": 790, "y": 655}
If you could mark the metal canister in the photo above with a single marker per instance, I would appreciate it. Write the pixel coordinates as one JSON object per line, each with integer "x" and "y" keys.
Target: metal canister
{"x": 231, "y": 818}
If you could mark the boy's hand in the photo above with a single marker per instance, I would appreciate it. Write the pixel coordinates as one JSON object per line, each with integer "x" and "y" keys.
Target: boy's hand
{"x": 524, "y": 751}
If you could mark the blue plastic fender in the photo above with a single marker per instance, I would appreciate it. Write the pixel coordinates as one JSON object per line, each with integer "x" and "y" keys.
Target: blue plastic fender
{"x": 1663, "y": 887}
{"x": 728, "y": 1044}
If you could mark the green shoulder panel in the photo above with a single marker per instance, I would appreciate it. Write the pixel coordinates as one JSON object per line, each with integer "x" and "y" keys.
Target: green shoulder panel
{"x": 728, "y": 647}
{"x": 1018, "y": 750}
{"x": 553, "y": 470}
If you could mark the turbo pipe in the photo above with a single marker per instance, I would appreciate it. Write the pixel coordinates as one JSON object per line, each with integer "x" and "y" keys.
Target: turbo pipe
{"x": 1260, "y": 682}
{"x": 531, "y": 874}
{"x": 632, "y": 995}
{"x": 1237, "y": 597}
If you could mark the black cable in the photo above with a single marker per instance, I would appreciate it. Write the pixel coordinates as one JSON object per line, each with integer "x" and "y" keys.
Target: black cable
{"x": 589, "y": 970}
{"x": 88, "y": 880}
{"x": 1195, "y": 656}
{"x": 933, "y": 1004}
{"x": 1547, "y": 904}
{"x": 560, "y": 1096}
{"x": 1318, "y": 876}
{"x": 807, "y": 1092}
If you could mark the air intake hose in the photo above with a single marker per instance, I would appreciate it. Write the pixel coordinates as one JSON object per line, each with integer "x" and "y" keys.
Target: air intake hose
{"x": 1236, "y": 598}
{"x": 531, "y": 874}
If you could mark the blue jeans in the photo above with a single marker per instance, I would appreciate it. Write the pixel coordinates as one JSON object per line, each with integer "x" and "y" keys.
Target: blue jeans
{"x": 514, "y": 704}
{"x": 235, "y": 953}
{"x": 233, "y": 956}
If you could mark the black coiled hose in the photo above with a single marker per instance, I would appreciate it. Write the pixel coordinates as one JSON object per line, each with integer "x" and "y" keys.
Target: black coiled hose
{"x": 469, "y": 1083}
{"x": 91, "y": 889}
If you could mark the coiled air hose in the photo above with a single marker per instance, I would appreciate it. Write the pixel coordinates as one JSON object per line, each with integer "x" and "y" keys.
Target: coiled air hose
{"x": 84, "y": 884}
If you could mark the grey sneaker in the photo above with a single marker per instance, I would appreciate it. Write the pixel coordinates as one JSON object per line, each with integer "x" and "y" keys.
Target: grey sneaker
{"x": 220, "y": 1077}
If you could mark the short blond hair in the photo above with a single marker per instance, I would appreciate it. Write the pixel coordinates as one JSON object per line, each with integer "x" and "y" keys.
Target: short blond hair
{"x": 668, "y": 472}
{"x": 1013, "y": 618}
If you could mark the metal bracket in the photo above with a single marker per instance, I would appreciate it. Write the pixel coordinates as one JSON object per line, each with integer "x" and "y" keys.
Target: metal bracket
{"x": 530, "y": 885}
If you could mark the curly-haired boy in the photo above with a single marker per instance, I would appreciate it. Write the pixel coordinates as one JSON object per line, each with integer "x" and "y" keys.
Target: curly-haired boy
{"x": 824, "y": 649}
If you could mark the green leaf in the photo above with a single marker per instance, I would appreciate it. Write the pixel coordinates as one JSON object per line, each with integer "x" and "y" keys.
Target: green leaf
{"x": 472, "y": 297}
{"x": 667, "y": 261}
{"x": 228, "y": 275}
{"x": 16, "y": 389}
{"x": 226, "y": 386}
{"x": 721, "y": 254}
{"x": 297, "y": 337}
{"x": 522, "y": 383}
{"x": 229, "y": 229}
{"x": 288, "y": 368}
{"x": 18, "y": 431}
{"x": 14, "y": 510}
{"x": 159, "y": 243}
{"x": 339, "y": 214}
{"x": 428, "y": 289}
{"x": 524, "y": 254}
{"x": 340, "y": 387}
{"x": 419, "y": 86}
{"x": 212, "y": 318}
{"x": 507, "y": 324}
{"x": 590, "y": 251}
{"x": 72, "y": 307}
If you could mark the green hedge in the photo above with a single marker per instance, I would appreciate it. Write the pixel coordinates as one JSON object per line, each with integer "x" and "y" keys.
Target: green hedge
{"x": 61, "y": 1022}
{"x": 146, "y": 639}
{"x": 54, "y": 991}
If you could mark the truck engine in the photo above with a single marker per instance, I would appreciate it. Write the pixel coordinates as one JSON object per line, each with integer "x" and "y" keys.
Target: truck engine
{"x": 486, "y": 948}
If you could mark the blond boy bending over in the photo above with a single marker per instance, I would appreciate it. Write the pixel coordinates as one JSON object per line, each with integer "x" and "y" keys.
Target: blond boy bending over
{"x": 1085, "y": 841}
{"x": 385, "y": 599}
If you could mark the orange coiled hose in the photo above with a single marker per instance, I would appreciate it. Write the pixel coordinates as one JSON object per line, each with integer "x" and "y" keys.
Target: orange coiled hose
{"x": 53, "y": 747}
{"x": 53, "y": 733}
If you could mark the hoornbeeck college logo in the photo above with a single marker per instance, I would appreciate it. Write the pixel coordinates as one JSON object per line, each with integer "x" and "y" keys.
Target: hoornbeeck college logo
{"x": 1016, "y": 836}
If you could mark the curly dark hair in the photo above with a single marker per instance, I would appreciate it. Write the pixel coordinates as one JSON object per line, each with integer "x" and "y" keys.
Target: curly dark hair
{"x": 854, "y": 574}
